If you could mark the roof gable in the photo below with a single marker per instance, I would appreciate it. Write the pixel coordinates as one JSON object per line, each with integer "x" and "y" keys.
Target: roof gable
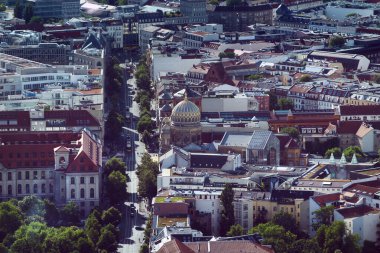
{"x": 81, "y": 163}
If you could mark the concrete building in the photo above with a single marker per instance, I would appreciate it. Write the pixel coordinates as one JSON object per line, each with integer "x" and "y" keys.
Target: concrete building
{"x": 194, "y": 10}
{"x": 195, "y": 39}
{"x": 361, "y": 220}
{"x": 238, "y": 18}
{"x": 339, "y": 10}
{"x": 48, "y": 53}
{"x": 61, "y": 9}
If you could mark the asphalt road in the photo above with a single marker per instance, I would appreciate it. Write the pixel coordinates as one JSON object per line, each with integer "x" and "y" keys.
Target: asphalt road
{"x": 132, "y": 237}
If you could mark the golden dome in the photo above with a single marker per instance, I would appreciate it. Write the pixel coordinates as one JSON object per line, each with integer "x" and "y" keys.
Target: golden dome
{"x": 185, "y": 113}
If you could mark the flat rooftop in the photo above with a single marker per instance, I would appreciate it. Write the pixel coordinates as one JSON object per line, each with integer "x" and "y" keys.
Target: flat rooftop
{"x": 171, "y": 221}
{"x": 21, "y": 62}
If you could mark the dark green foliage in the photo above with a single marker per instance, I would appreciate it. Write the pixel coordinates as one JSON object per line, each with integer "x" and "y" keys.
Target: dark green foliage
{"x": 32, "y": 206}
{"x": 275, "y": 235}
{"x": 11, "y": 219}
{"x": 51, "y": 213}
{"x": 292, "y": 131}
{"x": 336, "y": 41}
{"x": 28, "y": 12}
{"x": 336, "y": 151}
{"x": 228, "y": 216}
{"x": 305, "y": 78}
{"x": 323, "y": 216}
{"x": 350, "y": 151}
{"x": 114, "y": 164}
{"x": 235, "y": 230}
{"x": 287, "y": 221}
{"x": 233, "y": 2}
{"x": 147, "y": 173}
{"x": 2, "y": 8}
{"x": 111, "y": 216}
{"x": 3, "y": 249}
{"x": 70, "y": 214}
{"x": 305, "y": 246}
{"x": 93, "y": 227}
{"x": 116, "y": 187}
{"x": 227, "y": 55}
{"x": 285, "y": 104}
{"x": 113, "y": 126}
{"x": 144, "y": 248}
{"x": 107, "y": 240}
{"x": 18, "y": 10}
{"x": 145, "y": 124}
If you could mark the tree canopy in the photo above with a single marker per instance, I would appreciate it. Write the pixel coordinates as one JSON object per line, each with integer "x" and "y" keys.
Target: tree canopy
{"x": 336, "y": 41}
{"x": 292, "y": 131}
{"x": 337, "y": 152}
{"x": 228, "y": 215}
{"x": 147, "y": 173}
{"x": 285, "y": 104}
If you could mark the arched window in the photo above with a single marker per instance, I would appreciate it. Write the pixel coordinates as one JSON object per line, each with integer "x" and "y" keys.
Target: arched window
{"x": 73, "y": 193}
{"x": 35, "y": 189}
{"x": 62, "y": 160}
{"x": 82, "y": 193}
{"x": 43, "y": 188}
{"x": 27, "y": 189}
{"x": 19, "y": 189}
{"x": 92, "y": 193}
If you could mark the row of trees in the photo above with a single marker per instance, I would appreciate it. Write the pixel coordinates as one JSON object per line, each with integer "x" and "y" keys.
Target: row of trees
{"x": 25, "y": 12}
{"x": 36, "y": 225}
{"x": 283, "y": 234}
{"x": 115, "y": 181}
{"x": 147, "y": 173}
{"x": 113, "y": 88}
{"x": 348, "y": 152}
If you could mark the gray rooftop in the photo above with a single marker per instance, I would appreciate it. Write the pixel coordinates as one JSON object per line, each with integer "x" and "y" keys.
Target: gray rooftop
{"x": 236, "y": 139}
{"x": 259, "y": 139}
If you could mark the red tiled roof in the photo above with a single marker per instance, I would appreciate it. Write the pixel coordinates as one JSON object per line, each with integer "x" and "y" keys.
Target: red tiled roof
{"x": 322, "y": 200}
{"x": 22, "y": 118}
{"x": 359, "y": 110}
{"x": 348, "y": 127}
{"x": 356, "y": 211}
{"x": 228, "y": 246}
{"x": 175, "y": 246}
{"x": 363, "y": 189}
{"x": 81, "y": 163}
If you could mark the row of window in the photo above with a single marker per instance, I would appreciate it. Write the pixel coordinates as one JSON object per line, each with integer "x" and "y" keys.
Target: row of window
{"x": 82, "y": 180}
{"x": 27, "y": 189}
{"x": 27, "y": 175}
{"x": 82, "y": 193}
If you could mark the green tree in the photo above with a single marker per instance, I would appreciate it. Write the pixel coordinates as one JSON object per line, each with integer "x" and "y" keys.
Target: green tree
{"x": 36, "y": 20}
{"x": 292, "y": 131}
{"x": 64, "y": 239}
{"x": 114, "y": 164}
{"x": 351, "y": 243}
{"x": 286, "y": 221}
{"x": 143, "y": 82}
{"x": 51, "y": 213}
{"x": 323, "y": 216}
{"x": 144, "y": 248}
{"x": 227, "y": 55}
{"x": 235, "y": 230}
{"x": 107, "y": 241}
{"x": 147, "y": 173}
{"x": 30, "y": 238}
{"x": 305, "y": 246}
{"x": 116, "y": 187}
{"x": 111, "y": 216}
{"x": 337, "y": 152}
{"x": 28, "y": 13}
{"x": 32, "y": 206}
{"x": 70, "y": 214}
{"x": 146, "y": 137}
{"x": 228, "y": 216}
{"x": 113, "y": 126}
{"x": 11, "y": 219}
{"x": 305, "y": 78}
{"x": 92, "y": 227}
{"x": 2, "y": 8}
{"x": 275, "y": 235}
{"x": 85, "y": 246}
{"x": 144, "y": 124}
{"x": 214, "y": 2}
{"x": 334, "y": 237}
{"x": 17, "y": 11}
{"x": 285, "y": 104}
{"x": 351, "y": 150}
{"x": 336, "y": 41}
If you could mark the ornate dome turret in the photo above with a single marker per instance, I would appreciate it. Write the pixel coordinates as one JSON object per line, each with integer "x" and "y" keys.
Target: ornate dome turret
{"x": 185, "y": 113}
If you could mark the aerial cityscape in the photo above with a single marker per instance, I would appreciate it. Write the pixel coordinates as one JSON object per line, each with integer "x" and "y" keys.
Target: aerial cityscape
{"x": 189, "y": 126}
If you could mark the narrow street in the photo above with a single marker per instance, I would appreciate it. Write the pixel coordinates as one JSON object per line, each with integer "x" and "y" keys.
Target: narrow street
{"x": 132, "y": 228}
